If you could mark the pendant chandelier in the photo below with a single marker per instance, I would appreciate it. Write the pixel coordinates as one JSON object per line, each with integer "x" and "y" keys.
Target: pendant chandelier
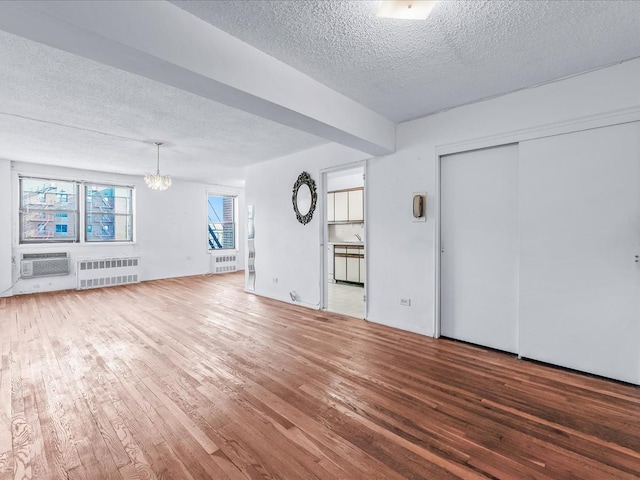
{"x": 157, "y": 181}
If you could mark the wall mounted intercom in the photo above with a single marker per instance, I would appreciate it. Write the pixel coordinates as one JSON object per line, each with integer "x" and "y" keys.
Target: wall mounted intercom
{"x": 420, "y": 207}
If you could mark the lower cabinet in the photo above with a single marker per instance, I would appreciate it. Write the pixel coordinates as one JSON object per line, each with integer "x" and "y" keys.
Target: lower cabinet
{"x": 353, "y": 269}
{"x": 348, "y": 264}
{"x": 339, "y": 267}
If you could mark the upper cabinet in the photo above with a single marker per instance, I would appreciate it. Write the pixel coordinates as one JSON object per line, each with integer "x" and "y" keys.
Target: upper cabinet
{"x": 341, "y": 206}
{"x": 356, "y": 205}
{"x": 346, "y": 206}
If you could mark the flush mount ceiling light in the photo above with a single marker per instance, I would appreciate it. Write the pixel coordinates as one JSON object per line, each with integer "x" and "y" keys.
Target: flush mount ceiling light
{"x": 157, "y": 181}
{"x": 405, "y": 9}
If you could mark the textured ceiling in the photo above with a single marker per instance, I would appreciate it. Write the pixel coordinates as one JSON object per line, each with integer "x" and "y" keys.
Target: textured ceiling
{"x": 60, "y": 109}
{"x": 465, "y": 51}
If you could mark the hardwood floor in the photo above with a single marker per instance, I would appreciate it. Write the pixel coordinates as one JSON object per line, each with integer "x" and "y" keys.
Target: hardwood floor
{"x": 192, "y": 378}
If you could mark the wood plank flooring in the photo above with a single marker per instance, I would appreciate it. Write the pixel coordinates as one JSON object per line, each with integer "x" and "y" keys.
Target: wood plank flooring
{"x": 192, "y": 378}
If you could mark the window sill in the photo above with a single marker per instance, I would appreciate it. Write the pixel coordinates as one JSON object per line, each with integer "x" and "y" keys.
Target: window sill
{"x": 58, "y": 246}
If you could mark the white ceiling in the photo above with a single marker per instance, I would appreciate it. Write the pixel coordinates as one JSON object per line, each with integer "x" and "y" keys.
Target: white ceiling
{"x": 465, "y": 51}
{"x": 63, "y": 109}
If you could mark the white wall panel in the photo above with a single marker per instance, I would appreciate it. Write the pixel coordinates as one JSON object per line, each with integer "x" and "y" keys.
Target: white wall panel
{"x": 479, "y": 247}
{"x": 580, "y": 232}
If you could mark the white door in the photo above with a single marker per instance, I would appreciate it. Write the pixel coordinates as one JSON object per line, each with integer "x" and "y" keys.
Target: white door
{"x": 580, "y": 231}
{"x": 479, "y": 247}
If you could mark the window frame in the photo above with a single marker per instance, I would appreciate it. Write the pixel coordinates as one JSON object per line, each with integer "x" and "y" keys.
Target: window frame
{"x": 234, "y": 223}
{"x": 86, "y": 213}
{"x": 80, "y": 211}
{"x": 22, "y": 210}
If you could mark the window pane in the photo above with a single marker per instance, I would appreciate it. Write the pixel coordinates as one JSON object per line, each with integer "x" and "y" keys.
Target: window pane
{"x": 48, "y": 211}
{"x": 109, "y": 213}
{"x": 47, "y": 226}
{"x": 48, "y": 194}
{"x": 221, "y": 222}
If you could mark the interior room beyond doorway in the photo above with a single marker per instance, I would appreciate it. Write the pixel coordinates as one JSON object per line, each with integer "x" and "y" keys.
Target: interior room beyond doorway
{"x": 345, "y": 235}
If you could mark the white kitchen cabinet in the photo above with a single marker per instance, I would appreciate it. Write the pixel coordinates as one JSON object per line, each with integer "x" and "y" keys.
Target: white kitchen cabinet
{"x": 341, "y": 206}
{"x": 353, "y": 269}
{"x": 340, "y": 268}
{"x": 348, "y": 263}
{"x": 356, "y": 205}
{"x": 340, "y": 263}
{"x": 331, "y": 214}
{"x": 345, "y": 206}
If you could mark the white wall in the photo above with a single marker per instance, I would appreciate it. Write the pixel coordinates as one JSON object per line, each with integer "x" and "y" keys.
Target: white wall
{"x": 285, "y": 249}
{"x": 171, "y": 228}
{"x": 391, "y": 180}
{"x": 342, "y": 181}
{"x": 404, "y": 265}
{"x": 5, "y": 231}
{"x": 345, "y": 232}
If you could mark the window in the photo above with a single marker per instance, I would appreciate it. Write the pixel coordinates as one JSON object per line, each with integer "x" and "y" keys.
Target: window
{"x": 221, "y": 223}
{"x": 48, "y": 211}
{"x": 108, "y": 213}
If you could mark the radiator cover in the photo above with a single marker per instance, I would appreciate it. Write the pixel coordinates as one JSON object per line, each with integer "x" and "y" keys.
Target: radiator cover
{"x": 224, "y": 263}
{"x": 107, "y": 272}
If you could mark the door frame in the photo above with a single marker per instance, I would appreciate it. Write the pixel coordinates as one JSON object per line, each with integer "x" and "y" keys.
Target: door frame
{"x": 324, "y": 232}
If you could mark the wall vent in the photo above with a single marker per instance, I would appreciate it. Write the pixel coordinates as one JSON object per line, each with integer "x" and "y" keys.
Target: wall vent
{"x": 35, "y": 265}
{"x": 107, "y": 272}
{"x": 224, "y": 263}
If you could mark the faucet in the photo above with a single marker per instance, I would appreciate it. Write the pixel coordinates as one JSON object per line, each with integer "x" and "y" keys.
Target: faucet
{"x": 358, "y": 237}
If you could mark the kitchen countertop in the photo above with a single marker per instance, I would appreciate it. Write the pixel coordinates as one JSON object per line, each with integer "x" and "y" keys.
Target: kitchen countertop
{"x": 348, "y": 244}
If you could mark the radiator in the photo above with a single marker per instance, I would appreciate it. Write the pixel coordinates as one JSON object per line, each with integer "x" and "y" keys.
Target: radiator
{"x": 107, "y": 272}
{"x": 35, "y": 265}
{"x": 224, "y": 263}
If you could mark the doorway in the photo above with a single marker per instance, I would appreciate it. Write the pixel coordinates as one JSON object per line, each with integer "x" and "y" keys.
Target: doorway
{"x": 345, "y": 241}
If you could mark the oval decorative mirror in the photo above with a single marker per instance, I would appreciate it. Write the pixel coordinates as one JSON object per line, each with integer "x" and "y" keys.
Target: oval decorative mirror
{"x": 304, "y": 198}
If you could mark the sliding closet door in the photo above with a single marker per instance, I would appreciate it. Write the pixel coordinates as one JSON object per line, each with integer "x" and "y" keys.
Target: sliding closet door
{"x": 580, "y": 234}
{"x": 479, "y": 239}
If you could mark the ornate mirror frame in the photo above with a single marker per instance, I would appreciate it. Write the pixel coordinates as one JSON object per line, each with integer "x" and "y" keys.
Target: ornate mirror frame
{"x": 304, "y": 179}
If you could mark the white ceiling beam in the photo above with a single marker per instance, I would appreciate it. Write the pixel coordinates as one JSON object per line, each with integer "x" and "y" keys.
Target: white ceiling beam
{"x": 159, "y": 41}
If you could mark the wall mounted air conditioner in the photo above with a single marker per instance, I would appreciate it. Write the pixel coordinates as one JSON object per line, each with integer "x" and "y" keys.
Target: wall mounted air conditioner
{"x": 44, "y": 264}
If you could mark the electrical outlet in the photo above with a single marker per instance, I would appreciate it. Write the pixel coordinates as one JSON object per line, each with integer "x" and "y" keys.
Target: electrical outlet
{"x": 405, "y": 301}
{"x": 275, "y": 279}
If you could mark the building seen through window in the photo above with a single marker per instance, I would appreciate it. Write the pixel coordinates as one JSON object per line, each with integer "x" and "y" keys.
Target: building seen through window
{"x": 109, "y": 213}
{"x": 221, "y": 232}
{"x": 48, "y": 211}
